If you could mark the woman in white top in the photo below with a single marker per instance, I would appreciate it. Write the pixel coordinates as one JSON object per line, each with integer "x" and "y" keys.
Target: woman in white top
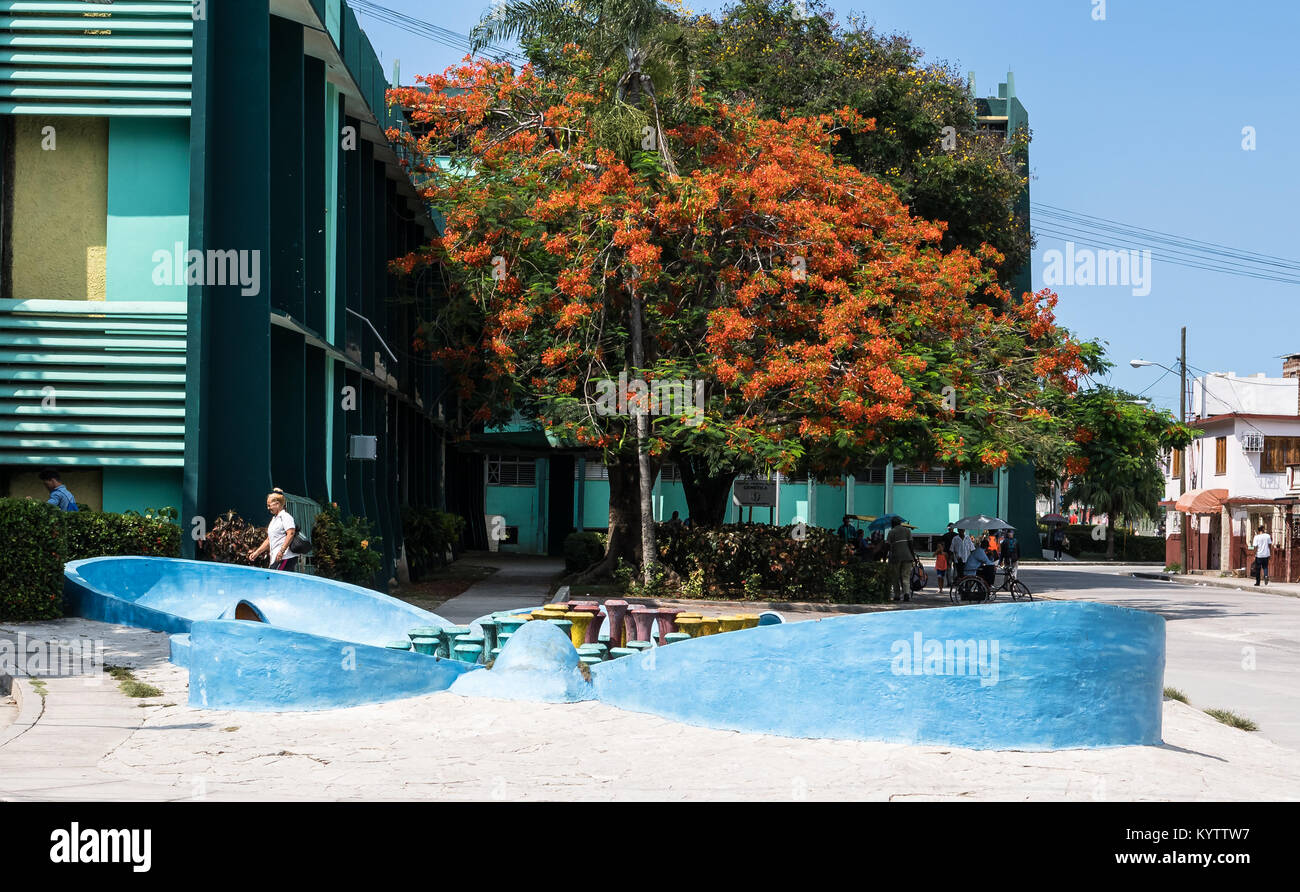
{"x": 279, "y": 533}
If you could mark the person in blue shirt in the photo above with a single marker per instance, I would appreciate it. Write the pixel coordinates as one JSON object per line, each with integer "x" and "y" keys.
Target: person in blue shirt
{"x": 60, "y": 497}
{"x": 980, "y": 564}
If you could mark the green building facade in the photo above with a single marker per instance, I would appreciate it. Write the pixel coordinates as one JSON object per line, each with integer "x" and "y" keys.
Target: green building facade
{"x": 200, "y": 204}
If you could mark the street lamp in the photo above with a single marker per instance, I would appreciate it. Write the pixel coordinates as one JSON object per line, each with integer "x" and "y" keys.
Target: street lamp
{"x": 1182, "y": 419}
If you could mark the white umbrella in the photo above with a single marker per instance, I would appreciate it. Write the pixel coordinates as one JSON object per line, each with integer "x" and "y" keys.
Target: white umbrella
{"x": 983, "y": 522}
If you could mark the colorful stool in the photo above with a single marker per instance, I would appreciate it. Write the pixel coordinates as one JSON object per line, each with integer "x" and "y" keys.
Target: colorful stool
{"x": 399, "y": 645}
{"x": 674, "y": 637}
{"x": 423, "y": 632}
{"x": 640, "y": 645}
{"x": 731, "y": 623}
{"x": 643, "y": 619}
{"x": 751, "y": 620}
{"x": 468, "y": 653}
{"x": 616, "y": 652}
{"x": 564, "y": 625}
{"x": 489, "y": 628}
{"x": 691, "y": 627}
{"x": 448, "y": 639}
{"x": 667, "y": 622}
{"x": 579, "y": 620}
{"x": 509, "y": 624}
{"x": 425, "y": 645}
{"x": 617, "y": 610}
{"x": 709, "y": 625}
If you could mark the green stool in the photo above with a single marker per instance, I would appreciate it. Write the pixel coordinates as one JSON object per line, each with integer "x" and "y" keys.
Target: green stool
{"x": 564, "y": 625}
{"x": 398, "y": 645}
{"x": 639, "y": 645}
{"x": 510, "y": 623}
{"x": 424, "y": 645}
{"x": 423, "y": 632}
{"x": 489, "y": 627}
{"x": 496, "y": 652}
{"x": 468, "y": 653}
{"x": 590, "y": 661}
{"x": 449, "y": 636}
{"x": 616, "y": 652}
{"x": 672, "y": 637}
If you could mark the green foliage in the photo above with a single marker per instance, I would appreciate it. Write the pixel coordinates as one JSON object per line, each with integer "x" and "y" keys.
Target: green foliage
{"x": 755, "y": 561}
{"x": 1175, "y": 694}
{"x": 1175, "y": 567}
{"x": 31, "y": 559}
{"x": 345, "y": 549}
{"x": 427, "y": 535}
{"x": 581, "y": 550}
{"x": 231, "y": 539}
{"x": 1128, "y": 547}
{"x": 94, "y": 534}
{"x": 39, "y": 539}
{"x": 1232, "y": 720}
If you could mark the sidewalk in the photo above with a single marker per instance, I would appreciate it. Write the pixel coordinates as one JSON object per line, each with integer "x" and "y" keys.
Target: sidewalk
{"x": 1287, "y": 589}
{"x": 520, "y": 581}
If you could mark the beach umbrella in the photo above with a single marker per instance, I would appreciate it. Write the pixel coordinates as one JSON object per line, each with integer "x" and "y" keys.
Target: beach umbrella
{"x": 983, "y": 522}
{"x": 1053, "y": 518}
{"x": 884, "y": 522}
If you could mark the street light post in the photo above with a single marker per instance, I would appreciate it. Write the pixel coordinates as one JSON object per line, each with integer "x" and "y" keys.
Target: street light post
{"x": 1182, "y": 419}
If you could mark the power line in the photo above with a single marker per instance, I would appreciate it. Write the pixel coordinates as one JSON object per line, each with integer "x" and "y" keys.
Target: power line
{"x": 430, "y": 31}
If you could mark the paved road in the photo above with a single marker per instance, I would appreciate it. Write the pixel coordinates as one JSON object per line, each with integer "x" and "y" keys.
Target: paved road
{"x": 1225, "y": 648}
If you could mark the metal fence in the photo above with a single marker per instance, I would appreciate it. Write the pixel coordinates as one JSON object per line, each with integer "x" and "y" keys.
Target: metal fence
{"x": 304, "y": 512}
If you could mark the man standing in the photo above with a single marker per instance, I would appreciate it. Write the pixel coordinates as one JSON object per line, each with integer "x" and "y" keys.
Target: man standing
{"x": 1010, "y": 553}
{"x": 847, "y": 531}
{"x": 60, "y": 497}
{"x": 1263, "y": 545}
{"x": 901, "y": 558}
{"x": 962, "y": 546}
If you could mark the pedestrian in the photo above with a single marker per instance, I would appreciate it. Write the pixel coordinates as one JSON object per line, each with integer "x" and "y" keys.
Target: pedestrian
{"x": 1058, "y": 540}
{"x": 1011, "y": 554}
{"x": 1263, "y": 546}
{"x": 279, "y": 535}
{"x": 941, "y": 564}
{"x": 978, "y": 563}
{"x": 847, "y": 530}
{"x": 901, "y": 558}
{"x": 60, "y": 496}
{"x": 675, "y": 522}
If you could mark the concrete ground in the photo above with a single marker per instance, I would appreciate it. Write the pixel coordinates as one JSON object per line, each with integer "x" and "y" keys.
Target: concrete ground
{"x": 85, "y": 741}
{"x": 520, "y": 581}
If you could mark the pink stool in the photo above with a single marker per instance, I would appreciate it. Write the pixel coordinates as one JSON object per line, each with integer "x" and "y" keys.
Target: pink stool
{"x": 617, "y": 611}
{"x": 667, "y": 621}
{"x": 643, "y": 619}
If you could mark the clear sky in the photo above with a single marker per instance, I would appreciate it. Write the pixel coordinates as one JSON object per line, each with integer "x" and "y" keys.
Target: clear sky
{"x": 1137, "y": 118}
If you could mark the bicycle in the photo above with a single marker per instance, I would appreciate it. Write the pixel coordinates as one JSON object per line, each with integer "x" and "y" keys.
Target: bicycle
{"x": 1012, "y": 586}
{"x": 976, "y": 590}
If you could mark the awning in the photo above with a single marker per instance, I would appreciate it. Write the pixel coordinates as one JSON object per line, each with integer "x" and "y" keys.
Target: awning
{"x": 1201, "y": 501}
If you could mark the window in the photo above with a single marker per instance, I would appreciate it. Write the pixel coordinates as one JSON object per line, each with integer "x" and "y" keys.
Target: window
{"x": 932, "y": 477}
{"x": 1220, "y": 456}
{"x": 1278, "y": 453}
{"x": 868, "y": 475}
{"x": 1176, "y": 463}
{"x": 511, "y": 470}
{"x": 982, "y": 478}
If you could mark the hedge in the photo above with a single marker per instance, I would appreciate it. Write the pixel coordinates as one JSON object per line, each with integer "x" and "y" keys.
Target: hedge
{"x": 1127, "y": 547}
{"x": 757, "y": 561}
{"x": 39, "y": 539}
{"x": 427, "y": 535}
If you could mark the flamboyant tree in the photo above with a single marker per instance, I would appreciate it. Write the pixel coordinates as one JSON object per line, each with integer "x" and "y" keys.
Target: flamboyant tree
{"x": 824, "y": 321}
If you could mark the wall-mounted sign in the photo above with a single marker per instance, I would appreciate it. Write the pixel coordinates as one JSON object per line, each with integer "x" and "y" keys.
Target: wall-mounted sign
{"x": 755, "y": 493}
{"x": 363, "y": 447}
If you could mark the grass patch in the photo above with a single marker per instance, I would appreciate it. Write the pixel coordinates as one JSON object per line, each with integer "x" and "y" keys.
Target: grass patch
{"x": 1175, "y": 694}
{"x": 128, "y": 684}
{"x": 1232, "y": 720}
{"x": 38, "y": 685}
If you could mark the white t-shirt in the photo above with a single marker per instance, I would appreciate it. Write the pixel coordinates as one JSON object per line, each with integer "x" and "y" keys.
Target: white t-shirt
{"x": 1263, "y": 544}
{"x": 280, "y": 524}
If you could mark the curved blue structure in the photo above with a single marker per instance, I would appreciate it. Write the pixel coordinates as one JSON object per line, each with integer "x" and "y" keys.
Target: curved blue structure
{"x": 1034, "y": 676}
{"x": 260, "y": 640}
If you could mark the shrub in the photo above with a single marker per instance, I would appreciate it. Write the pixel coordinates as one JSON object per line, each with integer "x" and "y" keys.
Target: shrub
{"x": 752, "y": 561}
{"x": 231, "y": 539}
{"x": 427, "y": 535}
{"x": 345, "y": 549}
{"x": 581, "y": 550}
{"x": 94, "y": 534}
{"x": 31, "y": 559}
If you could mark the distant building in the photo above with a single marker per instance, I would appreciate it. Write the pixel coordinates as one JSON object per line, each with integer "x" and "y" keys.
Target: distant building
{"x": 1240, "y": 472}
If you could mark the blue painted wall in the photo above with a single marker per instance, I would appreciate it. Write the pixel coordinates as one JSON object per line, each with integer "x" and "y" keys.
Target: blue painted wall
{"x": 148, "y": 204}
{"x": 1045, "y": 675}
{"x": 929, "y": 508}
{"x": 259, "y": 668}
{"x": 139, "y": 488}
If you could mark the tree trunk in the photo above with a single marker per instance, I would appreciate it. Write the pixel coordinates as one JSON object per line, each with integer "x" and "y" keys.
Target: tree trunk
{"x": 706, "y": 494}
{"x": 624, "y": 521}
{"x": 641, "y": 413}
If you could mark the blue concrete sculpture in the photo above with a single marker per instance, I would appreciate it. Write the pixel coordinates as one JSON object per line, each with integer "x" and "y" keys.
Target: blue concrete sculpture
{"x": 261, "y": 640}
{"x": 1033, "y": 676}
{"x": 538, "y": 663}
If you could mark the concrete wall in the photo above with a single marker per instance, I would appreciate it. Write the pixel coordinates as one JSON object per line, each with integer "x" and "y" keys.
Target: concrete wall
{"x": 1044, "y": 676}
{"x": 139, "y": 488}
{"x": 60, "y": 209}
{"x": 148, "y": 204}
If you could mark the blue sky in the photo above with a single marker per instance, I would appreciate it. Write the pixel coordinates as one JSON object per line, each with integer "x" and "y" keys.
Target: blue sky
{"x": 1138, "y": 119}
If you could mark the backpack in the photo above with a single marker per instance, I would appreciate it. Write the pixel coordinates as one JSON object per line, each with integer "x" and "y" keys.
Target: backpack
{"x": 919, "y": 577}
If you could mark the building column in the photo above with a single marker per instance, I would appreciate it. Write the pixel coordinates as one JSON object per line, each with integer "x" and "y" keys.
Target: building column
{"x": 963, "y": 495}
{"x": 889, "y": 488}
{"x": 579, "y": 504}
{"x": 849, "y": 484}
{"x": 1004, "y": 478}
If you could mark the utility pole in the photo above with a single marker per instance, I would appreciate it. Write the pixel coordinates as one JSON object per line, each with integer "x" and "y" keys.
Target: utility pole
{"x": 1182, "y": 463}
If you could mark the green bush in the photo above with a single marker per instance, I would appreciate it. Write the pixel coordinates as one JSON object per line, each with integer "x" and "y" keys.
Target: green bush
{"x": 1129, "y": 548}
{"x": 755, "y": 561}
{"x": 581, "y": 550}
{"x": 94, "y": 534}
{"x": 231, "y": 539}
{"x": 345, "y": 549}
{"x": 31, "y": 559}
{"x": 427, "y": 535}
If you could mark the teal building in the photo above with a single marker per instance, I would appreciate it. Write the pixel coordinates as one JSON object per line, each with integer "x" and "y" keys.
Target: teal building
{"x": 200, "y": 204}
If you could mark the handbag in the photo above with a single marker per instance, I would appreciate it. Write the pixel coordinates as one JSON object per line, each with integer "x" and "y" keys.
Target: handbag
{"x": 300, "y": 544}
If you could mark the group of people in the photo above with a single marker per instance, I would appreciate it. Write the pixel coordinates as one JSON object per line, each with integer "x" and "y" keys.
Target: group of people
{"x": 957, "y": 554}
{"x": 866, "y": 547}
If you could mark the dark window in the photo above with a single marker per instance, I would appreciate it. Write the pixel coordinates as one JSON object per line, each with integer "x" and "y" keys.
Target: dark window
{"x": 1278, "y": 453}
{"x": 511, "y": 470}
{"x": 1220, "y": 455}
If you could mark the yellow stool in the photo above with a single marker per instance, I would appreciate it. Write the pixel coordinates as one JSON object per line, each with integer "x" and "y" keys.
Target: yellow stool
{"x": 750, "y": 620}
{"x": 709, "y": 626}
{"x": 690, "y": 625}
{"x": 581, "y": 619}
{"x": 730, "y": 623}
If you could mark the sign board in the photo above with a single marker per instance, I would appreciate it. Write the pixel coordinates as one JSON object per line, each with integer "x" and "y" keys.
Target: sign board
{"x": 363, "y": 447}
{"x": 755, "y": 493}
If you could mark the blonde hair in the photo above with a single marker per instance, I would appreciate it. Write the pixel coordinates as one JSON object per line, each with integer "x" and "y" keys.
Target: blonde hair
{"x": 277, "y": 496}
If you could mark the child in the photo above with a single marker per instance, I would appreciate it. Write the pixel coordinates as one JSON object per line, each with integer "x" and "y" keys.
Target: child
{"x": 940, "y": 564}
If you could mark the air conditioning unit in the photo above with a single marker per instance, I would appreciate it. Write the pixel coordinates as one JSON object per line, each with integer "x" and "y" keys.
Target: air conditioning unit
{"x": 1252, "y": 442}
